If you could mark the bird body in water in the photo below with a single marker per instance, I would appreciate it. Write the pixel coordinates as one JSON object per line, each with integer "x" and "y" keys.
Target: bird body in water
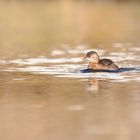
{"x": 99, "y": 64}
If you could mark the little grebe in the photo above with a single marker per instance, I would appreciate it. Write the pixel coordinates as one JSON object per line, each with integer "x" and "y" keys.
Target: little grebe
{"x": 96, "y": 63}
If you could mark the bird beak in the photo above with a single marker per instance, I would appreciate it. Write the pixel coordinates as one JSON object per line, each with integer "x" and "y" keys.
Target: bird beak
{"x": 86, "y": 59}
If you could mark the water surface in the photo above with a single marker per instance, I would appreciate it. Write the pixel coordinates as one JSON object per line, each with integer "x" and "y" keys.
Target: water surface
{"x": 43, "y": 94}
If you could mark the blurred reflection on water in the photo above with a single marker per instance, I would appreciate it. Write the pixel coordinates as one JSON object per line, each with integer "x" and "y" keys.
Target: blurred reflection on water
{"x": 42, "y": 45}
{"x": 31, "y": 28}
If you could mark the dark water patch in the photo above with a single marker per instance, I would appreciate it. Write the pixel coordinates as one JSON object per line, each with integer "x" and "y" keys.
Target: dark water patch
{"x": 110, "y": 71}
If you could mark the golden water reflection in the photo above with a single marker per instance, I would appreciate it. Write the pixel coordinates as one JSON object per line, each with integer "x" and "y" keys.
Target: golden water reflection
{"x": 41, "y": 107}
{"x": 40, "y": 36}
{"x": 34, "y": 28}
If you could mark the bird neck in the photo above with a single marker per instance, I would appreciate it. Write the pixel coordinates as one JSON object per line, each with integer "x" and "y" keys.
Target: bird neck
{"x": 95, "y": 59}
{"x": 93, "y": 65}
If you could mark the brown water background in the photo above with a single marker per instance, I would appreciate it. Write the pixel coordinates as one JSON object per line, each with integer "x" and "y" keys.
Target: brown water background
{"x": 42, "y": 94}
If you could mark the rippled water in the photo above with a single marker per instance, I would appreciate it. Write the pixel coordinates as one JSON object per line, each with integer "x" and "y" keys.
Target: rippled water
{"x": 69, "y": 63}
{"x": 43, "y": 94}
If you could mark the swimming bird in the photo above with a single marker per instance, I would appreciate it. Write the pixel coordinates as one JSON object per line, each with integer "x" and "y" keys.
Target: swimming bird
{"x": 99, "y": 64}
